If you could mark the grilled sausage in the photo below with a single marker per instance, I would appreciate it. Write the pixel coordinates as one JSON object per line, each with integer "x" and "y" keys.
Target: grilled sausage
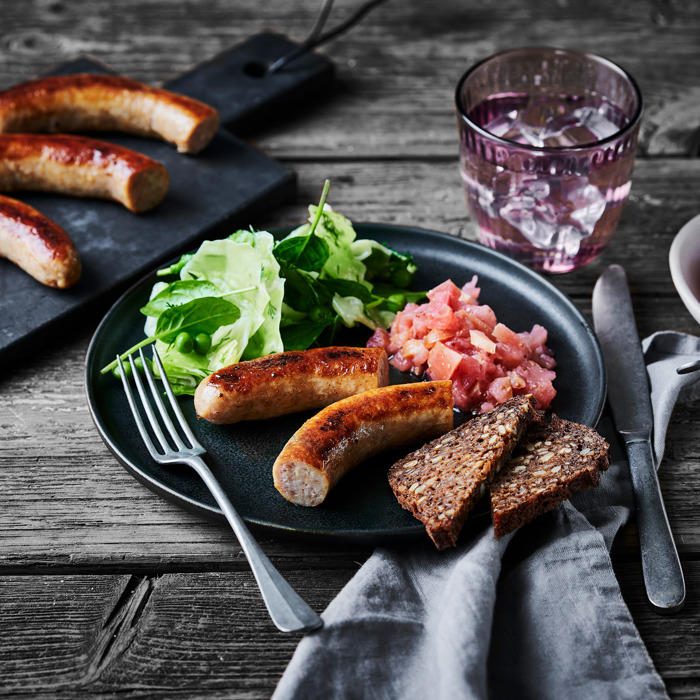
{"x": 83, "y": 167}
{"x": 89, "y": 102}
{"x": 346, "y": 433}
{"x": 288, "y": 382}
{"x": 38, "y": 245}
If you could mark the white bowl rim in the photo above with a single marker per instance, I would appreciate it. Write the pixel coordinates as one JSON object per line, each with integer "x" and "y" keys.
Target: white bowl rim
{"x": 680, "y": 261}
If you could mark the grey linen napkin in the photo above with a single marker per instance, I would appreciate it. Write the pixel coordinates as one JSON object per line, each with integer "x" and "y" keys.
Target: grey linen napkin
{"x": 537, "y": 614}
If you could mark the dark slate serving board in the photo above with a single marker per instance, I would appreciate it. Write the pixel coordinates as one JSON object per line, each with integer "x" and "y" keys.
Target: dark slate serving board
{"x": 252, "y": 97}
{"x": 210, "y": 194}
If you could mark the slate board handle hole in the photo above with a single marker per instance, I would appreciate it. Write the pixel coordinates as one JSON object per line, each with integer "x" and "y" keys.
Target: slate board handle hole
{"x": 316, "y": 38}
{"x": 254, "y": 69}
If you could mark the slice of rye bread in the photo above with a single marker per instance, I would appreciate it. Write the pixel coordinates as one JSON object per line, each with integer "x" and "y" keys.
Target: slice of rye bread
{"x": 442, "y": 481}
{"x": 552, "y": 461}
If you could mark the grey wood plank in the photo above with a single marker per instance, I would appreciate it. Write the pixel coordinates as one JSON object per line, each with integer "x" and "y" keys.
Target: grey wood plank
{"x": 96, "y": 635}
{"x": 58, "y": 630}
{"x": 396, "y": 74}
{"x": 204, "y": 634}
{"x": 670, "y": 639}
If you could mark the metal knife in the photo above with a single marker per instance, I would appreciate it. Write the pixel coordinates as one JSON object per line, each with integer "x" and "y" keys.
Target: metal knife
{"x": 629, "y": 399}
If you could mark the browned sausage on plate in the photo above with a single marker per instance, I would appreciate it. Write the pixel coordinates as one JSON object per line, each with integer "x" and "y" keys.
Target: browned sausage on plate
{"x": 82, "y": 167}
{"x": 288, "y": 382}
{"x": 350, "y": 431}
{"x": 38, "y": 245}
{"x": 89, "y": 102}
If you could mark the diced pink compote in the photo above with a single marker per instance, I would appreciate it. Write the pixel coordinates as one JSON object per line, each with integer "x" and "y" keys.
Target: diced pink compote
{"x": 452, "y": 336}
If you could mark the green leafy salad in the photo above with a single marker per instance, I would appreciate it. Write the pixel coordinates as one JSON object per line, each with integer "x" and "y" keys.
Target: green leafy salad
{"x": 248, "y": 295}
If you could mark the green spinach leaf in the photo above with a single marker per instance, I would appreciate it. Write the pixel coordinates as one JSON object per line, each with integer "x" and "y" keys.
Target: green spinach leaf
{"x": 178, "y": 293}
{"x": 309, "y": 253}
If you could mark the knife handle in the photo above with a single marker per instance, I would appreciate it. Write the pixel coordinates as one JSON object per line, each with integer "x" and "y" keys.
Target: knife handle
{"x": 663, "y": 576}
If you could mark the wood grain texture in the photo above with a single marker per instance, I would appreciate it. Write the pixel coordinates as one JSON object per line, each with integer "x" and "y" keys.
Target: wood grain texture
{"x": 162, "y": 633}
{"x": 106, "y": 589}
{"x": 396, "y": 75}
{"x": 206, "y": 634}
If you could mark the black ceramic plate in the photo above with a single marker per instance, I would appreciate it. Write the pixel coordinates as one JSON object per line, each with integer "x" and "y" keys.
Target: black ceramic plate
{"x": 362, "y": 507}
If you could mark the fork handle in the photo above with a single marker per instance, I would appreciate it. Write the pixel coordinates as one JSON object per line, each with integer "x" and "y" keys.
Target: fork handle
{"x": 287, "y": 610}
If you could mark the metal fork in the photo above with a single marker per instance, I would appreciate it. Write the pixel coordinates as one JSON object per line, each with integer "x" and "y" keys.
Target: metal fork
{"x": 287, "y": 610}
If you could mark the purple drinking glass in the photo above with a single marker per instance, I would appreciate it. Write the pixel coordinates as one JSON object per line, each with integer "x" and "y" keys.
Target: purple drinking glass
{"x": 547, "y": 145}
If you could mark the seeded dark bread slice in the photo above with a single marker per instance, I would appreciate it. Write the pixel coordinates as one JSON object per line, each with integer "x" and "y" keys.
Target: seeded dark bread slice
{"x": 442, "y": 481}
{"x": 552, "y": 461}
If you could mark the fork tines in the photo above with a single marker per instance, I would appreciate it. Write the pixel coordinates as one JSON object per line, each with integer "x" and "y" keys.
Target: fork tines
{"x": 176, "y": 447}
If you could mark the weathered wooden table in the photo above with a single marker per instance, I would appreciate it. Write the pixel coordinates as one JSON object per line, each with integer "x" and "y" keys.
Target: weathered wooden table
{"x": 104, "y": 587}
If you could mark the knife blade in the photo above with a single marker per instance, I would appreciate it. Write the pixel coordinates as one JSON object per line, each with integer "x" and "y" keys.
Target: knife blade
{"x": 630, "y": 402}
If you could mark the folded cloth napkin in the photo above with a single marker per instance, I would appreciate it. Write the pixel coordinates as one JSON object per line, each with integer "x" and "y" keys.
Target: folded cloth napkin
{"x": 537, "y": 614}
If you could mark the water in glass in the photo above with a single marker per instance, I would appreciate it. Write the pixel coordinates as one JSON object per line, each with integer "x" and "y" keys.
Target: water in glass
{"x": 559, "y": 218}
